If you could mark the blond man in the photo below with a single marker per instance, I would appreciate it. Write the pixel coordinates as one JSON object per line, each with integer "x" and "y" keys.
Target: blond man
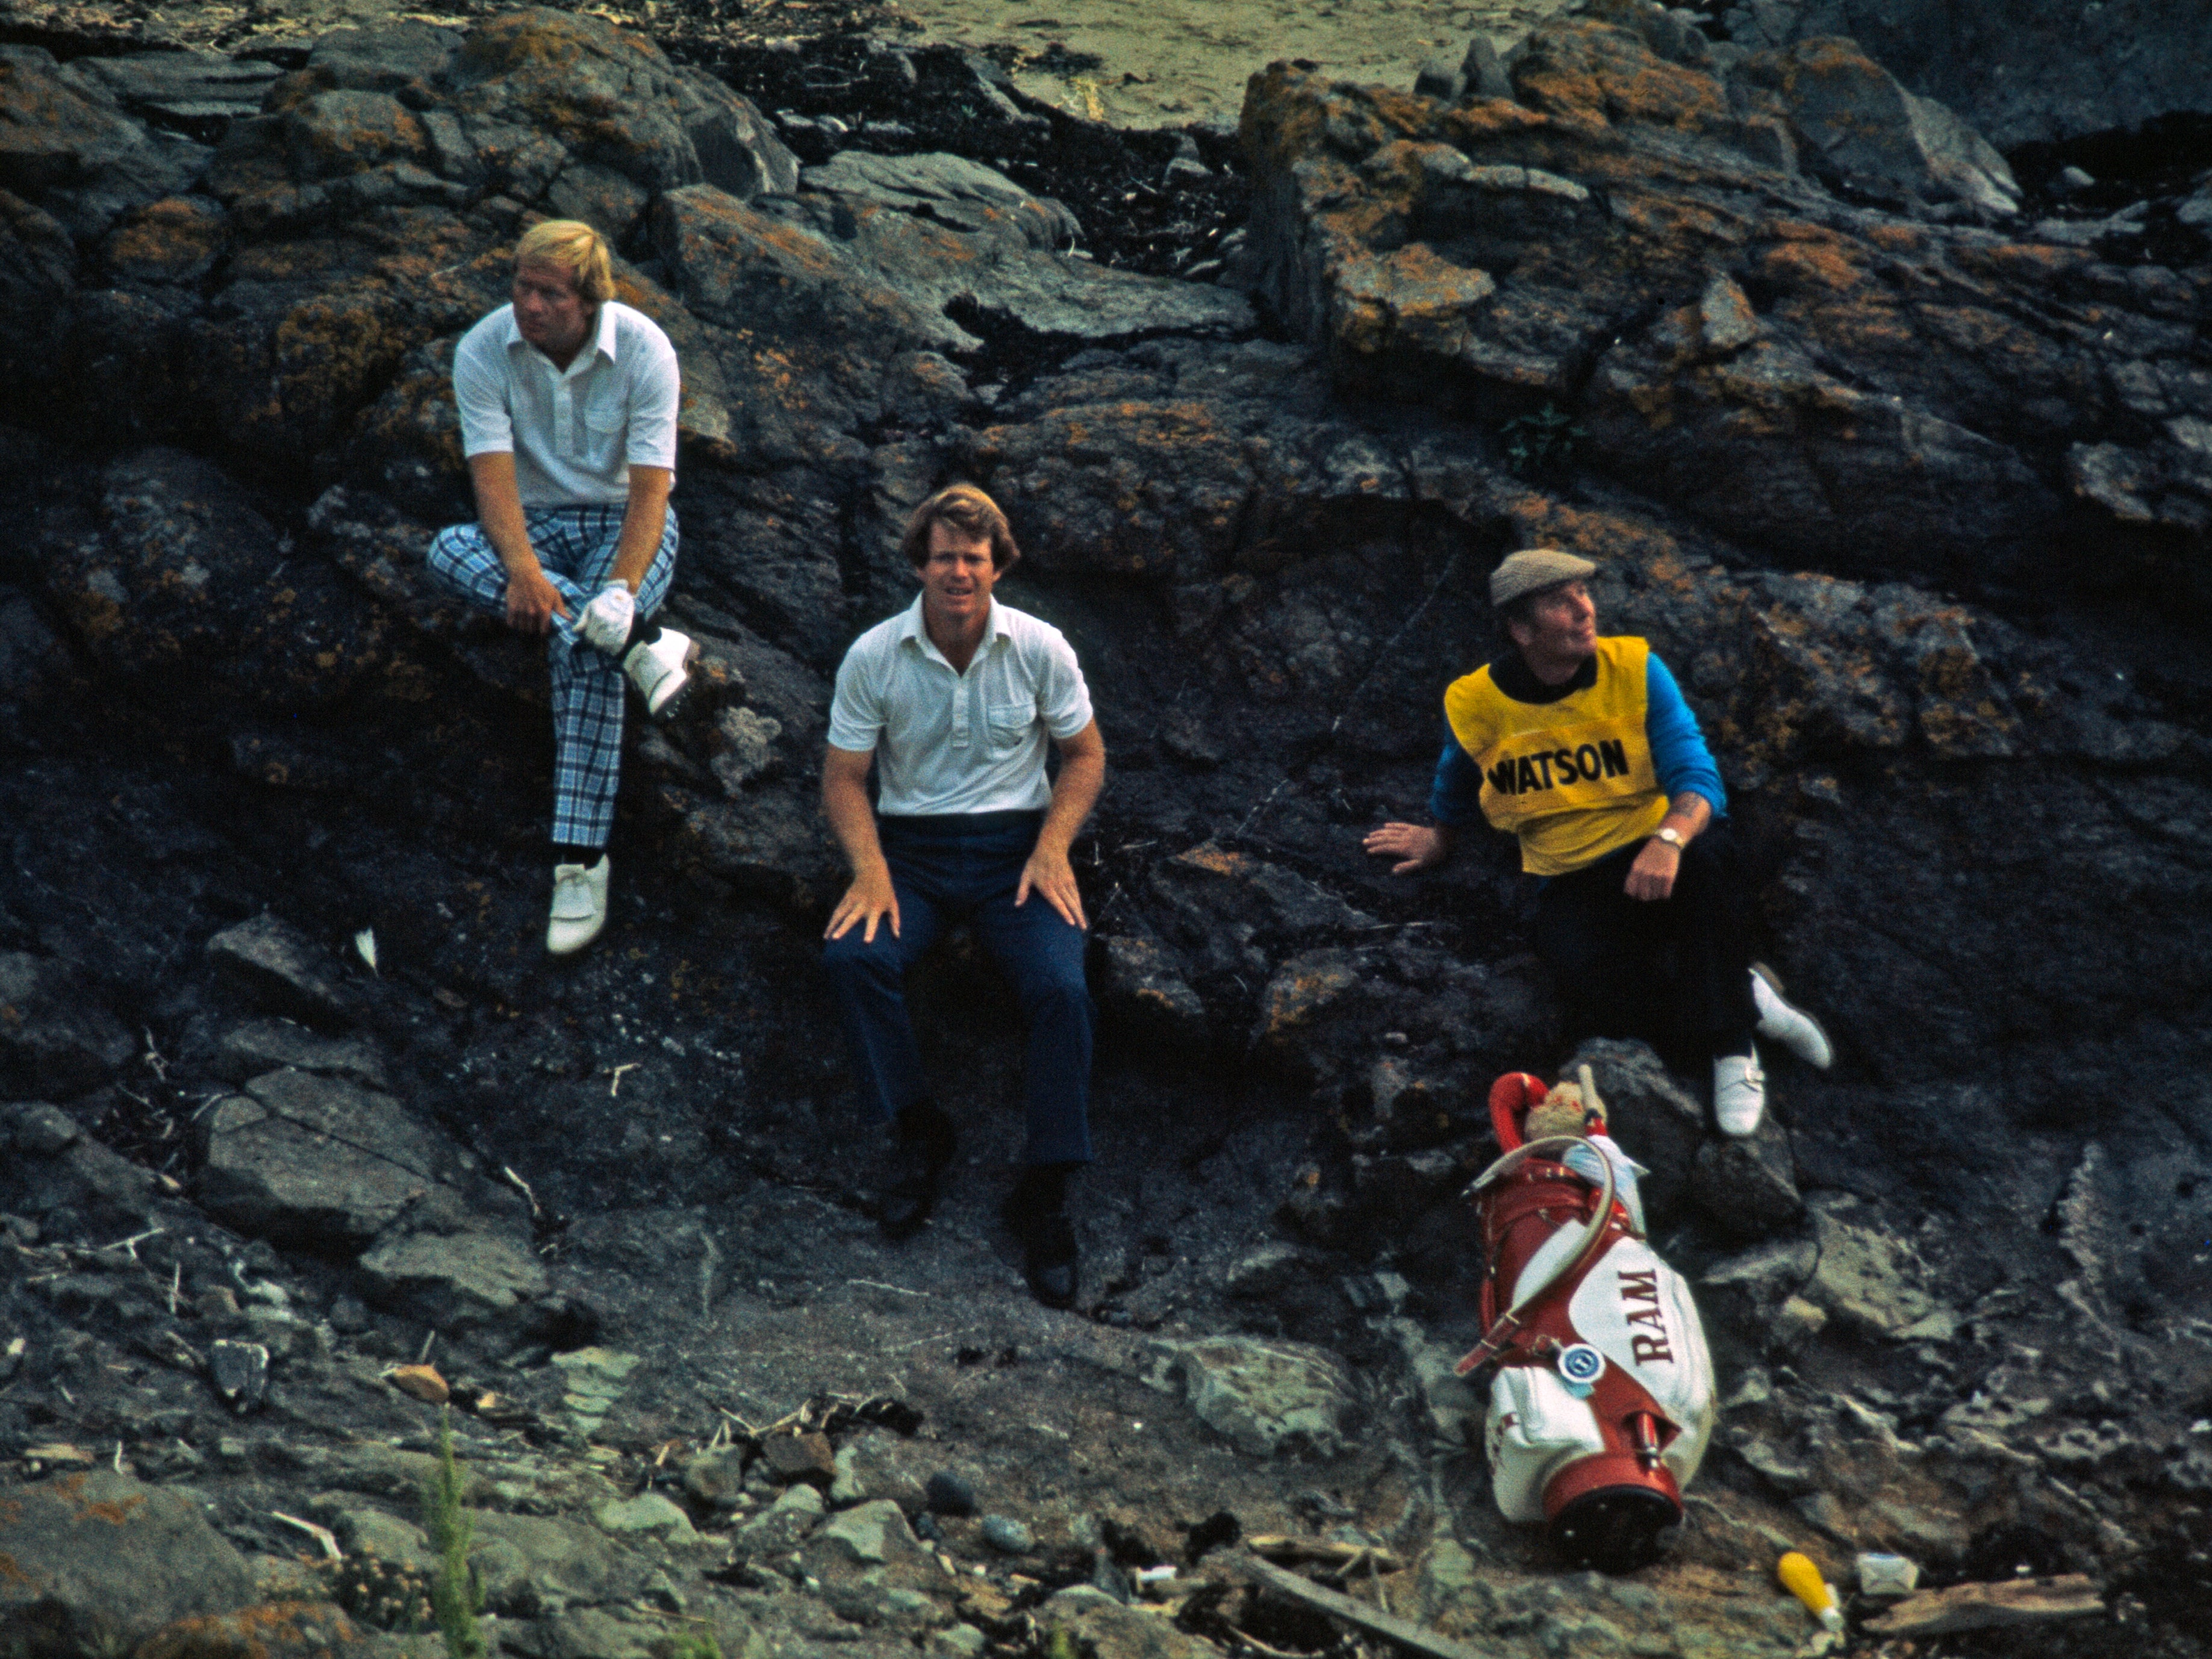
{"x": 568, "y": 402}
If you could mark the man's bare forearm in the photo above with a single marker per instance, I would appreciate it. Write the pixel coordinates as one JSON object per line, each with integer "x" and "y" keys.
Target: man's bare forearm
{"x": 852, "y": 819}
{"x": 499, "y": 511}
{"x": 1074, "y": 793}
{"x": 643, "y": 520}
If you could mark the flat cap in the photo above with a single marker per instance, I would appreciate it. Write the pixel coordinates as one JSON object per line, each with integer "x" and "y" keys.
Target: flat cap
{"x": 1532, "y": 570}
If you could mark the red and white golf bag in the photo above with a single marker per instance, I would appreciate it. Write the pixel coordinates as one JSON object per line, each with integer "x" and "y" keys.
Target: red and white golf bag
{"x": 1603, "y": 1400}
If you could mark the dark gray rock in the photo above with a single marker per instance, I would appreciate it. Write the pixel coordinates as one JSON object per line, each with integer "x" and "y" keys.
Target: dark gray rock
{"x": 453, "y": 1266}
{"x": 316, "y": 1160}
{"x": 240, "y": 1372}
{"x": 259, "y": 1046}
{"x": 948, "y": 1493}
{"x": 951, "y": 190}
{"x": 532, "y": 1567}
{"x": 1142, "y": 985}
{"x": 2042, "y": 71}
{"x": 1748, "y": 1185}
{"x": 281, "y": 967}
{"x": 66, "y": 145}
{"x": 391, "y": 57}
{"x": 1854, "y": 123}
{"x": 190, "y": 87}
{"x": 56, "y": 1037}
{"x": 100, "y": 1556}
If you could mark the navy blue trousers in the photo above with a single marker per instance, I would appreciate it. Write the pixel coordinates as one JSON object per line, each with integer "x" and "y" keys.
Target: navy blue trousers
{"x": 967, "y": 867}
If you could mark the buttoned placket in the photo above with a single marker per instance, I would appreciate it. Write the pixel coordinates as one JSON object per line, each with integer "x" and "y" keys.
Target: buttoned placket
{"x": 968, "y": 688}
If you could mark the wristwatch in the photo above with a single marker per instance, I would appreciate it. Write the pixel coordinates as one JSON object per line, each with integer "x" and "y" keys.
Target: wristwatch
{"x": 1671, "y": 836}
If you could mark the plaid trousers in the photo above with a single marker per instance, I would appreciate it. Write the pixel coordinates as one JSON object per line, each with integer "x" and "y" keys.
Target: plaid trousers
{"x": 576, "y": 546}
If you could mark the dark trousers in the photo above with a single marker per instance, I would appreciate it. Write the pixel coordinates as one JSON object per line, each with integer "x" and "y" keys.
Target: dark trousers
{"x": 1674, "y": 971}
{"x": 967, "y": 867}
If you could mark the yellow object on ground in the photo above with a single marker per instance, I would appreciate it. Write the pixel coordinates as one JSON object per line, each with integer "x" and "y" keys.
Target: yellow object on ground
{"x": 1803, "y": 1580}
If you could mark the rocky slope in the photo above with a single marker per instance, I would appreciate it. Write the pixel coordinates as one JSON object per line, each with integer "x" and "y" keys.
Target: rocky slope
{"x": 1907, "y": 485}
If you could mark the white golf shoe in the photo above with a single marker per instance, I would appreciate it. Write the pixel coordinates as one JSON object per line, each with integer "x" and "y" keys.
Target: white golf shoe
{"x": 579, "y": 906}
{"x": 1792, "y": 1028}
{"x": 661, "y": 670}
{"x": 1738, "y": 1093}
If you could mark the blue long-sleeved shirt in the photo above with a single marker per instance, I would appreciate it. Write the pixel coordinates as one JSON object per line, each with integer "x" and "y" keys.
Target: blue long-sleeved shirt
{"x": 1679, "y": 755}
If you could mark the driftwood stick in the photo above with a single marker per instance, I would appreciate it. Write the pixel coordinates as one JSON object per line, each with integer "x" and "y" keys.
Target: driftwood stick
{"x": 1402, "y": 1631}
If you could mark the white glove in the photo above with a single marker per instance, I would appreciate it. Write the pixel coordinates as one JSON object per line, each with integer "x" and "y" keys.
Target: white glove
{"x": 605, "y": 621}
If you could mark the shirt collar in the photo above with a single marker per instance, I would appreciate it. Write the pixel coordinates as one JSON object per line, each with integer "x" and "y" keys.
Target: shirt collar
{"x": 912, "y": 627}
{"x": 603, "y": 333}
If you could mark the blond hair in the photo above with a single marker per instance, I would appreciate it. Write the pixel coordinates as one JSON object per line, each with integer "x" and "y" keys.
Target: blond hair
{"x": 572, "y": 245}
{"x": 968, "y": 511}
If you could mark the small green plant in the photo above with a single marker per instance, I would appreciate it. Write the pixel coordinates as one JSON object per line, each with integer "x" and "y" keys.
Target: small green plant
{"x": 691, "y": 1644}
{"x": 1540, "y": 443}
{"x": 1061, "y": 1644}
{"x": 456, "y": 1598}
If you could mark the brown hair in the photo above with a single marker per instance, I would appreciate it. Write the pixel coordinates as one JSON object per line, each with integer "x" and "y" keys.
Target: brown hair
{"x": 572, "y": 245}
{"x": 968, "y": 511}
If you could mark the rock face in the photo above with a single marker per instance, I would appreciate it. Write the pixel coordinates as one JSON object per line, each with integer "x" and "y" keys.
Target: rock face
{"x": 2045, "y": 70}
{"x": 102, "y": 1553}
{"x": 1644, "y": 239}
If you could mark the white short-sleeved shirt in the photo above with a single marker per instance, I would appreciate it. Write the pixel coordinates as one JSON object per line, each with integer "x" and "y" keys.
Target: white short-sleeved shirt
{"x": 947, "y": 742}
{"x": 574, "y": 433}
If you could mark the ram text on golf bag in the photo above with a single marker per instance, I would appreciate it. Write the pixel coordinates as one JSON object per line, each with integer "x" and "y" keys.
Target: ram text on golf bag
{"x": 1602, "y": 1399}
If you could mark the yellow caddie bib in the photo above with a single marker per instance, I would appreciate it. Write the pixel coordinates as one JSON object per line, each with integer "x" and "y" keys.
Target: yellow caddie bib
{"x": 1572, "y": 779}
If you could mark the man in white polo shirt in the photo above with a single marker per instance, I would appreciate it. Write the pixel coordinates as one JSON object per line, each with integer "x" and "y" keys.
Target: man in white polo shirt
{"x": 953, "y": 701}
{"x": 568, "y": 402}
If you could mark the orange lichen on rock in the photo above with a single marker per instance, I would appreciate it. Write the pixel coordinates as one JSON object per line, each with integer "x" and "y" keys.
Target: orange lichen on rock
{"x": 1599, "y": 74}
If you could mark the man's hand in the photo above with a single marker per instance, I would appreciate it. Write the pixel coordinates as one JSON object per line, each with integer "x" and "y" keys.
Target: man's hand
{"x": 1049, "y": 873}
{"x": 870, "y": 899}
{"x": 607, "y": 620}
{"x": 532, "y": 601}
{"x": 1417, "y": 846}
{"x": 1652, "y": 876}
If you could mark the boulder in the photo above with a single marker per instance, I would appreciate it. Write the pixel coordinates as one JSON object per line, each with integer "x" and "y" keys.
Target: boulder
{"x": 1143, "y": 986}
{"x": 1092, "y": 1622}
{"x": 260, "y": 1046}
{"x": 318, "y": 1161}
{"x": 102, "y": 1557}
{"x": 477, "y": 1271}
{"x": 1857, "y": 125}
{"x": 949, "y": 190}
{"x": 1266, "y": 1398}
{"x": 1869, "y": 1279}
{"x": 784, "y": 1525}
{"x": 279, "y": 965}
{"x": 1748, "y": 1185}
{"x": 157, "y": 592}
{"x": 2043, "y": 70}
{"x": 56, "y": 1037}
{"x": 533, "y": 1566}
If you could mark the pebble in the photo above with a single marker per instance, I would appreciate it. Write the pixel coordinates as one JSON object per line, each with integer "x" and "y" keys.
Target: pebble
{"x": 1003, "y": 1533}
{"x": 948, "y": 1494}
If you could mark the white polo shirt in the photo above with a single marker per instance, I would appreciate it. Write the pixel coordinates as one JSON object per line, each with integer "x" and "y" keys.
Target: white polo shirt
{"x": 574, "y": 433}
{"x": 947, "y": 742}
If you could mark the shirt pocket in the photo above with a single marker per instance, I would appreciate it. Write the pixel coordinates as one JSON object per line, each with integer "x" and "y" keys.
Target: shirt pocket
{"x": 602, "y": 427}
{"x": 1009, "y": 725}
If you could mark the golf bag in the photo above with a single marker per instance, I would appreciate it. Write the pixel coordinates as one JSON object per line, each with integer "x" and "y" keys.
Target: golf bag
{"x": 1602, "y": 1399}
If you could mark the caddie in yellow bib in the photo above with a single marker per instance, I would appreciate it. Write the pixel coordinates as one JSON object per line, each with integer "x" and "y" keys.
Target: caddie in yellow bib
{"x": 1574, "y": 779}
{"x": 1582, "y": 748}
